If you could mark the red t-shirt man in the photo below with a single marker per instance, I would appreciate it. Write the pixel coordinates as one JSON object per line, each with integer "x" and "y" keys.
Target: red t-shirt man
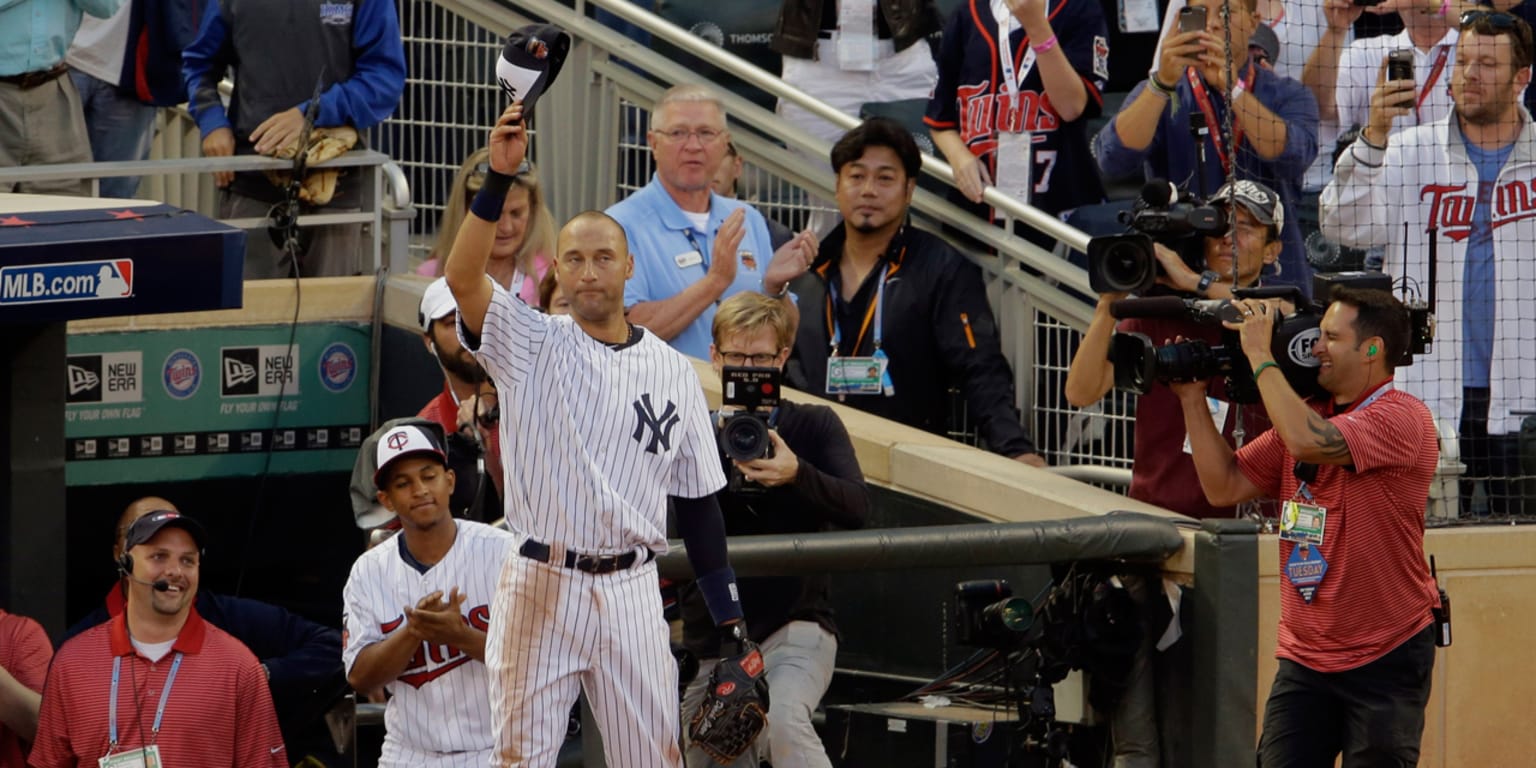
{"x": 24, "y": 655}
{"x": 218, "y": 711}
{"x": 1377, "y": 592}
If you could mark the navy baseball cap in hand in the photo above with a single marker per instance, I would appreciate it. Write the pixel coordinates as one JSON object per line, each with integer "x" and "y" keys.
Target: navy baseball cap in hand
{"x": 530, "y": 62}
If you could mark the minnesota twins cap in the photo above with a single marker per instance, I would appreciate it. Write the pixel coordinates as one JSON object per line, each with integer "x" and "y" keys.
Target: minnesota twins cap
{"x": 436, "y": 303}
{"x": 530, "y": 62}
{"x": 367, "y": 512}
{"x": 1261, "y": 201}
{"x": 145, "y": 528}
{"x": 404, "y": 442}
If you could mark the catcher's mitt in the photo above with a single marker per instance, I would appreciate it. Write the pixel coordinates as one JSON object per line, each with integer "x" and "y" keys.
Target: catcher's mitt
{"x": 324, "y": 144}
{"x": 735, "y": 707}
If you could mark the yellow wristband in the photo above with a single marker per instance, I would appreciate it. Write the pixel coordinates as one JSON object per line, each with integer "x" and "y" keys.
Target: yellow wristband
{"x": 1264, "y": 366}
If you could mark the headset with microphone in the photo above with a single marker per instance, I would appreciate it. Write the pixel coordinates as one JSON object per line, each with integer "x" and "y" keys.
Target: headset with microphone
{"x": 125, "y": 569}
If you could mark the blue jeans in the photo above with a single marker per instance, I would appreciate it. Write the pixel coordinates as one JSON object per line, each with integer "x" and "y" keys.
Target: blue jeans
{"x": 120, "y": 128}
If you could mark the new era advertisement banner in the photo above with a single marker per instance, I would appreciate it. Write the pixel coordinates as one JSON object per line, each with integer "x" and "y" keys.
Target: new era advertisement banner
{"x": 152, "y": 406}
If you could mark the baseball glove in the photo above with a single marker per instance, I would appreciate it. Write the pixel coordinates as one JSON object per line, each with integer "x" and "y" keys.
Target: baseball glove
{"x": 324, "y": 144}
{"x": 735, "y": 707}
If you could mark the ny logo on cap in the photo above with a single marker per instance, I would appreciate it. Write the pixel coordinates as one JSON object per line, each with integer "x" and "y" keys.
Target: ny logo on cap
{"x": 660, "y": 426}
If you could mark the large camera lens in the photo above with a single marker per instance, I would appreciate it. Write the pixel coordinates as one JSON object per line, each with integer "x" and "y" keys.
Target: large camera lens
{"x": 1121, "y": 263}
{"x": 1190, "y": 360}
{"x": 744, "y": 437}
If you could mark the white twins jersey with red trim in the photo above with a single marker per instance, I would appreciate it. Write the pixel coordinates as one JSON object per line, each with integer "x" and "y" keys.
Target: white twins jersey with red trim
{"x": 440, "y": 703}
{"x": 594, "y": 438}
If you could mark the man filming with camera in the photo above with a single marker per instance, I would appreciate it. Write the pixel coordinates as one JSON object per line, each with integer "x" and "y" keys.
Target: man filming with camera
{"x": 1356, "y": 640}
{"x": 1163, "y": 473}
{"x": 804, "y": 479}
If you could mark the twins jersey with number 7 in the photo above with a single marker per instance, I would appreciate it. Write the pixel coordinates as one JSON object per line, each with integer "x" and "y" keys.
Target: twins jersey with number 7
{"x": 439, "y": 711}
{"x": 970, "y": 97}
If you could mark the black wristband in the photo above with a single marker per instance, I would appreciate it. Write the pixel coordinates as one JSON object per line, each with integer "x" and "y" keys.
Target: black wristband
{"x": 492, "y": 195}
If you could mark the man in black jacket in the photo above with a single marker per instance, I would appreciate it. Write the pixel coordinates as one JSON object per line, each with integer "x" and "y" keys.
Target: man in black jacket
{"x": 811, "y": 482}
{"x": 891, "y": 316}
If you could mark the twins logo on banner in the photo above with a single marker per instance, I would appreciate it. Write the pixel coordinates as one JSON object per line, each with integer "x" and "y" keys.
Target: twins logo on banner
{"x": 182, "y": 374}
{"x": 262, "y": 371}
{"x": 338, "y": 367}
{"x": 112, "y": 377}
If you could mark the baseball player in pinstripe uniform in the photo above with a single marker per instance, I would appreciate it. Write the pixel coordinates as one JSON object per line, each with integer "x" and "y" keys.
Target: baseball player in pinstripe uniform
{"x": 417, "y": 609}
{"x": 610, "y": 422}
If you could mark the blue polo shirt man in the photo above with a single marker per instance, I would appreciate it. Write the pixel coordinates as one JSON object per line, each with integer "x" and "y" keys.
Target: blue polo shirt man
{"x": 672, "y": 253}
{"x": 675, "y": 224}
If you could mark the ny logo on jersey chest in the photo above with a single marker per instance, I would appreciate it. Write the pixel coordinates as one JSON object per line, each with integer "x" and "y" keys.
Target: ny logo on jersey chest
{"x": 659, "y": 427}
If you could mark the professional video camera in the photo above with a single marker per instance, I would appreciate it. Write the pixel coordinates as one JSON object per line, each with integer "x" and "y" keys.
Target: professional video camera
{"x": 987, "y": 615}
{"x": 1138, "y": 362}
{"x": 752, "y": 397}
{"x": 1127, "y": 264}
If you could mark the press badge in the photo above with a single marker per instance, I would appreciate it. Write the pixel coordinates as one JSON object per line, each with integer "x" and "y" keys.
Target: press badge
{"x": 688, "y": 258}
{"x": 1305, "y": 569}
{"x": 146, "y": 757}
{"x": 855, "y": 375}
{"x": 1303, "y": 524}
{"x": 1218, "y": 410}
{"x": 1015, "y": 165}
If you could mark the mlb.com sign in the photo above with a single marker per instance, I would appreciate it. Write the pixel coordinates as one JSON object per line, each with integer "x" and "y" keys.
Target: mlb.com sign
{"x": 69, "y": 281}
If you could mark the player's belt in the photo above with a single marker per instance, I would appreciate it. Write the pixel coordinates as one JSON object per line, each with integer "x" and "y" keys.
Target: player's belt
{"x": 599, "y": 564}
{"x": 26, "y": 81}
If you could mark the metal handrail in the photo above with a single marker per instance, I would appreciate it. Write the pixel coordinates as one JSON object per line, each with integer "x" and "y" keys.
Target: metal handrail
{"x": 619, "y": 46}
{"x": 93, "y": 170}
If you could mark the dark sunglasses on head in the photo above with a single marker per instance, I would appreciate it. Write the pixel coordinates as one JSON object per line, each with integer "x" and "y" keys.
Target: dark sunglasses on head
{"x": 1494, "y": 19}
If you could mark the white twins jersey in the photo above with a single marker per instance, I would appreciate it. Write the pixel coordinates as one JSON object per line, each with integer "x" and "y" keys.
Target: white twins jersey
{"x": 440, "y": 703}
{"x": 598, "y": 437}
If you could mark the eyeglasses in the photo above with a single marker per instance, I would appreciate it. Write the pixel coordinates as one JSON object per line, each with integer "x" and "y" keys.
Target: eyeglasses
{"x": 1496, "y": 20}
{"x": 706, "y": 136}
{"x": 476, "y": 178}
{"x": 760, "y": 360}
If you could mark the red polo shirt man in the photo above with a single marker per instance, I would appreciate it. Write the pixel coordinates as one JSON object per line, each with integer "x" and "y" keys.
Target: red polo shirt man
{"x": 156, "y": 685}
{"x": 24, "y": 656}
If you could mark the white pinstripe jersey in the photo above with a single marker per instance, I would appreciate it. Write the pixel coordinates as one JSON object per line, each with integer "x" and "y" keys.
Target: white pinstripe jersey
{"x": 441, "y": 702}
{"x": 594, "y": 438}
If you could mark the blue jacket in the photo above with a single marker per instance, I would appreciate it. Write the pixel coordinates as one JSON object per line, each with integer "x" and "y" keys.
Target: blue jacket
{"x": 1172, "y": 155}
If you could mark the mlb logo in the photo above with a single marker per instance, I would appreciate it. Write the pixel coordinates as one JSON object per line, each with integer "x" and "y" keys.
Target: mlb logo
{"x": 66, "y": 281}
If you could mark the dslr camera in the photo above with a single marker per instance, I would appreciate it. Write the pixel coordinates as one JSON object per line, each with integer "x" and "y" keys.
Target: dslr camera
{"x": 750, "y": 402}
{"x": 1161, "y": 214}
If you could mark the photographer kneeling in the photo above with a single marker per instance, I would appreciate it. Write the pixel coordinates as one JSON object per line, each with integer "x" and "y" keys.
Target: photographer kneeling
{"x": 1356, "y": 641}
{"x": 809, "y": 481}
{"x": 1163, "y": 473}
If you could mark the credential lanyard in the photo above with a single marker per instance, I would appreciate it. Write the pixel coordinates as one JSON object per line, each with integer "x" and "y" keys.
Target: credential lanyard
{"x": 165, "y": 695}
{"x": 1006, "y": 23}
{"x": 693, "y": 242}
{"x": 875, "y": 314}
{"x": 1204, "y": 100}
{"x": 1429, "y": 82}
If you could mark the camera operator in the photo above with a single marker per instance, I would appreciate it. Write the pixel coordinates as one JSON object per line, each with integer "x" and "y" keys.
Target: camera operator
{"x": 1356, "y": 636}
{"x": 1163, "y": 474}
{"x": 809, "y": 482}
